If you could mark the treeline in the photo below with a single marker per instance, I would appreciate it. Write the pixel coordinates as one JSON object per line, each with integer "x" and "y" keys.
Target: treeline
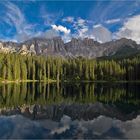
{"x": 18, "y": 67}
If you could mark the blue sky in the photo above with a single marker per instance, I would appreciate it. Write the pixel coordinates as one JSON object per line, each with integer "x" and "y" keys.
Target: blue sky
{"x": 21, "y": 20}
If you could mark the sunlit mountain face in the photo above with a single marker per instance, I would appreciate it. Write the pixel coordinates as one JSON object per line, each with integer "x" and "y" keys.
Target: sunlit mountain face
{"x": 102, "y": 21}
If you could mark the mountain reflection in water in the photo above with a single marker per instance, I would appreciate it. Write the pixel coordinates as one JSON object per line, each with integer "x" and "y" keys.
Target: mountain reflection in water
{"x": 92, "y": 110}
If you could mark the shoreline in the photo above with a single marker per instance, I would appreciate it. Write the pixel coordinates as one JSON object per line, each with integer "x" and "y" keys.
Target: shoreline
{"x": 65, "y": 81}
{"x": 26, "y": 81}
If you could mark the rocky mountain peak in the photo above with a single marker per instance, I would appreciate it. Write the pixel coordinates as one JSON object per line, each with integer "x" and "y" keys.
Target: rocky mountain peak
{"x": 86, "y": 47}
{"x": 90, "y": 42}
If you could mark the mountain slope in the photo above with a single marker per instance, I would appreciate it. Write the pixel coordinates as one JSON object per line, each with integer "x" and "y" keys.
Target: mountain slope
{"x": 76, "y": 47}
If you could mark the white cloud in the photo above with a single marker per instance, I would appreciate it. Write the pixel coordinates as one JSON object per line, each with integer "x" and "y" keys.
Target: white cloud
{"x": 81, "y": 28}
{"x": 61, "y": 28}
{"x": 98, "y": 32}
{"x": 83, "y": 32}
{"x": 47, "y": 34}
{"x": 101, "y": 34}
{"x": 111, "y": 21}
{"x": 97, "y": 25}
{"x": 130, "y": 29}
{"x": 66, "y": 36}
{"x": 81, "y": 21}
{"x": 15, "y": 18}
{"x": 68, "y": 19}
{"x": 51, "y": 33}
{"x": 48, "y": 18}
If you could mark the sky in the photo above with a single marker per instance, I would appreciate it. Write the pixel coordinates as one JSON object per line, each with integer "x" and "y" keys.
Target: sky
{"x": 101, "y": 20}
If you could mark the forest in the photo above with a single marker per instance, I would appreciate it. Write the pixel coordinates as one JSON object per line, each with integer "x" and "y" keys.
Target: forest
{"x": 14, "y": 67}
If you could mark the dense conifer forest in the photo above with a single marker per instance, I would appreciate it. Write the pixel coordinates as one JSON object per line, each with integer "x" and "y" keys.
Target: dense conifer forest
{"x": 15, "y": 67}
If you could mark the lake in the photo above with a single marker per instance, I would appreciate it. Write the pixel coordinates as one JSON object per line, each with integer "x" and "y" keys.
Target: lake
{"x": 70, "y": 110}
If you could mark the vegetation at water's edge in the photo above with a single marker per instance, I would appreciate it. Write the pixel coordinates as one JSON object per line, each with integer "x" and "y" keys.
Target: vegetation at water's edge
{"x": 19, "y": 68}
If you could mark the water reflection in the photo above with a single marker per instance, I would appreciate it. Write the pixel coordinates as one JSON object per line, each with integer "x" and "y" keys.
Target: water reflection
{"x": 91, "y": 110}
{"x": 100, "y": 127}
{"x": 85, "y": 101}
{"x": 42, "y": 93}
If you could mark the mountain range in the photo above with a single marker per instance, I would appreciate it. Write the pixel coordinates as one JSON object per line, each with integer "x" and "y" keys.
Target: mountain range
{"x": 75, "y": 48}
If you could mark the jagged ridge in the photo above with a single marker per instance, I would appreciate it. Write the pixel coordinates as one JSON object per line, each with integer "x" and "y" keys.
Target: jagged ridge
{"x": 76, "y": 47}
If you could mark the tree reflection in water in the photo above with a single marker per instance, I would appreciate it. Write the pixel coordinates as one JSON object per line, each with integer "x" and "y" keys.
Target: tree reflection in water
{"x": 70, "y": 110}
{"x": 42, "y": 93}
{"x": 120, "y": 98}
